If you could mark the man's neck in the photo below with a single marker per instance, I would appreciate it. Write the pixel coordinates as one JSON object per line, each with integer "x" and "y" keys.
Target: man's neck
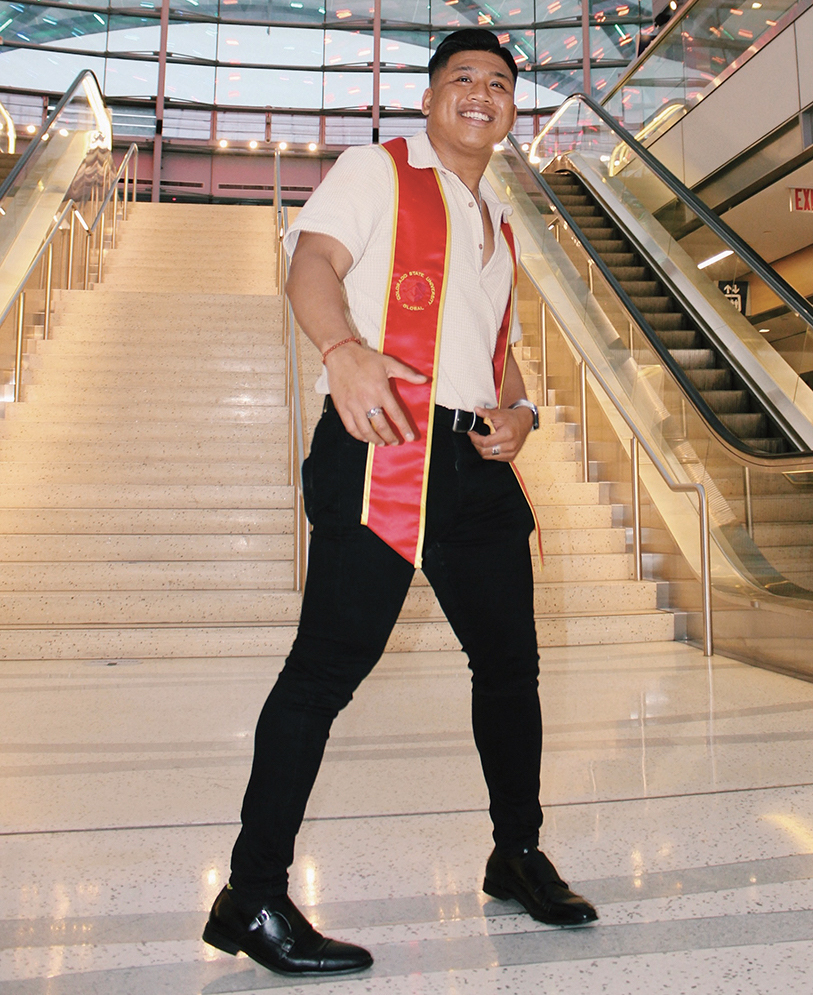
{"x": 468, "y": 167}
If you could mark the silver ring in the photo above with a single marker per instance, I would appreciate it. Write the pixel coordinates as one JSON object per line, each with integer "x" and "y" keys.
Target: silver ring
{"x": 373, "y": 412}
{"x": 495, "y": 450}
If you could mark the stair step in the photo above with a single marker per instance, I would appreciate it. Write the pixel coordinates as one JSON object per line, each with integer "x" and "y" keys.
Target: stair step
{"x": 104, "y": 578}
{"x": 120, "y": 548}
{"x": 72, "y": 524}
{"x": 122, "y": 645}
{"x": 145, "y": 412}
{"x": 243, "y": 606}
{"x": 146, "y": 496}
{"x": 171, "y": 433}
{"x": 71, "y": 363}
{"x": 154, "y": 473}
{"x": 169, "y": 379}
{"x": 149, "y": 396}
{"x": 169, "y": 450}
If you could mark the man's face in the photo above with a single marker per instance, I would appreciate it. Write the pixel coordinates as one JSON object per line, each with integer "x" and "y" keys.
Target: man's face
{"x": 470, "y": 104}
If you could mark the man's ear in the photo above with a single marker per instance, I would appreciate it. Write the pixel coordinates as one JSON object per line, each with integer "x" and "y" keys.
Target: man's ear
{"x": 426, "y": 101}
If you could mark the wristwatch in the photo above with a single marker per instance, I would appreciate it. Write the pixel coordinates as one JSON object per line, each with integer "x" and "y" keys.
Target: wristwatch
{"x": 523, "y": 402}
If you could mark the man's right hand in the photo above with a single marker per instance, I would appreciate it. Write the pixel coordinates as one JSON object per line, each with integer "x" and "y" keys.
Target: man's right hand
{"x": 359, "y": 382}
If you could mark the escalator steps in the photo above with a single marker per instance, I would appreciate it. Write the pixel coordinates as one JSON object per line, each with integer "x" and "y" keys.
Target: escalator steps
{"x": 640, "y": 288}
{"x": 665, "y": 320}
{"x": 659, "y": 308}
{"x": 749, "y": 425}
{"x": 681, "y": 338}
{"x": 655, "y": 305}
{"x": 728, "y": 402}
{"x": 693, "y": 359}
{"x": 710, "y": 379}
{"x": 623, "y": 266}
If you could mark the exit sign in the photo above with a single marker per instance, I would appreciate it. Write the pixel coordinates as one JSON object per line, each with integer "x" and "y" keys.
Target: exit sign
{"x": 801, "y": 198}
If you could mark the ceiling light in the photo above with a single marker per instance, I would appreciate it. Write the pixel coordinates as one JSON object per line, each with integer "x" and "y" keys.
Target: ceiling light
{"x": 253, "y": 145}
{"x": 312, "y": 147}
{"x": 31, "y": 129}
{"x": 715, "y": 259}
{"x": 282, "y": 146}
{"x": 223, "y": 143}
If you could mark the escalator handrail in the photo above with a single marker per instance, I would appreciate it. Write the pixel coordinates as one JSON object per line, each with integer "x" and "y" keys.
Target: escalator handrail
{"x": 783, "y": 290}
{"x": 724, "y": 435}
{"x": 34, "y": 144}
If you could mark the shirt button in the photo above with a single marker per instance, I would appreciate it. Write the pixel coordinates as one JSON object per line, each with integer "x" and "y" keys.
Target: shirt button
{"x": 479, "y": 246}
{"x": 471, "y": 203}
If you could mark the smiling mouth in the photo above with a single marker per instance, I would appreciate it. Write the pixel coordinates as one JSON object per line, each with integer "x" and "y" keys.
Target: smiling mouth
{"x": 477, "y": 116}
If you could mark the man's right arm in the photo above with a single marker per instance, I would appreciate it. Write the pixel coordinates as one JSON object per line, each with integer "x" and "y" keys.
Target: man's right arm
{"x": 358, "y": 376}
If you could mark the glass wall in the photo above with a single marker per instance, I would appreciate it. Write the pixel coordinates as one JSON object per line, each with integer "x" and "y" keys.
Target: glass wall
{"x": 301, "y": 58}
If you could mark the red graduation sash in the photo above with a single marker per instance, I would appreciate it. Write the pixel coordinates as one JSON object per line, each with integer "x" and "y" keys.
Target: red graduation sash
{"x": 396, "y": 480}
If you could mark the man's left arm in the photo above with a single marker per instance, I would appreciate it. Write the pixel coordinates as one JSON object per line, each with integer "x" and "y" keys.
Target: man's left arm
{"x": 510, "y": 425}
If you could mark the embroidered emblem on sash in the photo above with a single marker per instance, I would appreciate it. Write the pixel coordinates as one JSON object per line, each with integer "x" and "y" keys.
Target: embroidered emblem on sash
{"x": 415, "y": 291}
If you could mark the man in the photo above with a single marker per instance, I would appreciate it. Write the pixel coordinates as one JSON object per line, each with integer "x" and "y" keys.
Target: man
{"x": 403, "y": 471}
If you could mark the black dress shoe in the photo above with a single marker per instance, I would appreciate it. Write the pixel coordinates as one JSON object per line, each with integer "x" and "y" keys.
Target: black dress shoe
{"x": 533, "y": 881}
{"x": 280, "y": 938}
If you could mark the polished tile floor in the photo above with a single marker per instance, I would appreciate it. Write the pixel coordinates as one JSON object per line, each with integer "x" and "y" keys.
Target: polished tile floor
{"x": 678, "y": 797}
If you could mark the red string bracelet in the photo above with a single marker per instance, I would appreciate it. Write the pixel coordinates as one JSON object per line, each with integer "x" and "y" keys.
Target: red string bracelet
{"x": 337, "y": 345}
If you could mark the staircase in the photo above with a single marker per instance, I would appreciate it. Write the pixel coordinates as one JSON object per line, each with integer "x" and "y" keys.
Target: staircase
{"x": 145, "y": 508}
{"x": 145, "y": 511}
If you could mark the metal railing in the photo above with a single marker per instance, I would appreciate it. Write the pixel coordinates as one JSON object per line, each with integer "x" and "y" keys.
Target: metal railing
{"x": 66, "y": 223}
{"x": 637, "y": 443}
{"x": 293, "y": 398}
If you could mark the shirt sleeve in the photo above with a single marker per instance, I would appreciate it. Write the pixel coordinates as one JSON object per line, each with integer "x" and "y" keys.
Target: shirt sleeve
{"x": 349, "y": 202}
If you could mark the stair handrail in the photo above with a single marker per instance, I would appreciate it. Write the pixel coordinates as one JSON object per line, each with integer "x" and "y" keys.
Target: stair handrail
{"x": 638, "y": 440}
{"x": 46, "y": 250}
{"x": 35, "y": 144}
{"x": 112, "y": 194}
{"x": 783, "y": 290}
{"x": 296, "y": 431}
{"x": 744, "y": 454}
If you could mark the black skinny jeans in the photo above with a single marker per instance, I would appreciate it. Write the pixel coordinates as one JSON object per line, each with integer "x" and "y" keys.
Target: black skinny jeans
{"x": 477, "y": 559}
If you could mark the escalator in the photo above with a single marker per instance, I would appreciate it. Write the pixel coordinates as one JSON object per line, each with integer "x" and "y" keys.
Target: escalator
{"x": 631, "y": 268}
{"x": 702, "y": 360}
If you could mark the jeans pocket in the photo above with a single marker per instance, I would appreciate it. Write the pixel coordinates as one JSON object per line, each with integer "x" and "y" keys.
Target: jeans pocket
{"x": 333, "y": 476}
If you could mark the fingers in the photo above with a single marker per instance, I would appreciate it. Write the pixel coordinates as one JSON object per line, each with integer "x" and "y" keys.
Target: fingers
{"x": 510, "y": 430}
{"x": 395, "y": 368}
{"x": 360, "y": 388}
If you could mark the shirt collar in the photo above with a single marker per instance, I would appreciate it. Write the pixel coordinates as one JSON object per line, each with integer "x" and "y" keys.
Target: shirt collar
{"x": 421, "y": 155}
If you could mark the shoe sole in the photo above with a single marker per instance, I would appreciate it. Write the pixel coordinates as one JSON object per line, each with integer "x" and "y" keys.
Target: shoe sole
{"x": 505, "y": 895}
{"x": 217, "y": 939}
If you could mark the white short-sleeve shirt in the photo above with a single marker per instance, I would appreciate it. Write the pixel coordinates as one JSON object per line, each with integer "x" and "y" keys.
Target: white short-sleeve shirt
{"x": 355, "y": 205}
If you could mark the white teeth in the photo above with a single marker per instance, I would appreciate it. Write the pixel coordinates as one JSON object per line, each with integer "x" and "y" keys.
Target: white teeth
{"x": 477, "y": 116}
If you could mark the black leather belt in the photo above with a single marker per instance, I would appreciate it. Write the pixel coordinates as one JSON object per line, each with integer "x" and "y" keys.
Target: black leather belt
{"x": 459, "y": 420}
{"x": 456, "y": 419}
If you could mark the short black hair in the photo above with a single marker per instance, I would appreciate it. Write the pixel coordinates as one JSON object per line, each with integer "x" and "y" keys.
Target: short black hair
{"x": 468, "y": 40}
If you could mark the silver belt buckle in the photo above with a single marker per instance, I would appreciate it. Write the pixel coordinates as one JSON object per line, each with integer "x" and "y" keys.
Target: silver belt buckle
{"x": 461, "y": 418}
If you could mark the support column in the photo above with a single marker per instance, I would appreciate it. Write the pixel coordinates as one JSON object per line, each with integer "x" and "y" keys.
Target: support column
{"x": 587, "y": 86}
{"x": 376, "y": 69}
{"x": 159, "y": 104}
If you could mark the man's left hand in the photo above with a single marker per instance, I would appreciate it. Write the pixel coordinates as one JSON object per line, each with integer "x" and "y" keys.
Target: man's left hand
{"x": 510, "y": 428}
